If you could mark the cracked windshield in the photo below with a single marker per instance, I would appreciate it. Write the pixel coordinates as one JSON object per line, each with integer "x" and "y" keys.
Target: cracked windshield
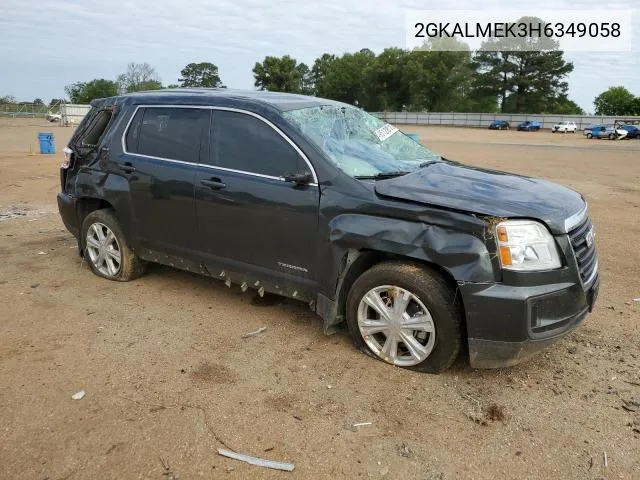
{"x": 360, "y": 144}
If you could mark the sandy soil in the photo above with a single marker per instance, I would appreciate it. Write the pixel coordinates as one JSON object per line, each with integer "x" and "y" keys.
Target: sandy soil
{"x": 169, "y": 379}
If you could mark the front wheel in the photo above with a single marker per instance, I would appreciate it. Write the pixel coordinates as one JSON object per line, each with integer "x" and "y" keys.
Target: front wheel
{"x": 589, "y": 135}
{"x": 106, "y": 250}
{"x": 406, "y": 315}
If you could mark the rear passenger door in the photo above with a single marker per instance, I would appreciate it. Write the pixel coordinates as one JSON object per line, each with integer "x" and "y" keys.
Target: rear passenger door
{"x": 250, "y": 219}
{"x": 162, "y": 148}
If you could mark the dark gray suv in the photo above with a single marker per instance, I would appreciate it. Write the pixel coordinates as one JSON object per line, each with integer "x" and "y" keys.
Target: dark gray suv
{"x": 319, "y": 201}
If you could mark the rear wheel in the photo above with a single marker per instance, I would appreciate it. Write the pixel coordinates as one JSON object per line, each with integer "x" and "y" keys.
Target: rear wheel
{"x": 406, "y": 315}
{"x": 106, "y": 250}
{"x": 611, "y": 136}
{"x": 589, "y": 135}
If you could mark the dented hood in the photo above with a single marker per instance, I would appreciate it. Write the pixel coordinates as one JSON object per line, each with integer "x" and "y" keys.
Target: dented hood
{"x": 487, "y": 192}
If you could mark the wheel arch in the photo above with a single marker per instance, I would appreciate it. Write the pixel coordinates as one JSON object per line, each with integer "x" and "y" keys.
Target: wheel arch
{"x": 362, "y": 241}
{"x": 86, "y": 205}
{"x": 365, "y": 259}
{"x": 89, "y": 204}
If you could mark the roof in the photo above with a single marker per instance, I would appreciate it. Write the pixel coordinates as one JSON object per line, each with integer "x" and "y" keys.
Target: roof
{"x": 280, "y": 100}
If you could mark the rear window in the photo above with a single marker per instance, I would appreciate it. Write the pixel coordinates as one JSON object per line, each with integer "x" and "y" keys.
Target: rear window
{"x": 169, "y": 133}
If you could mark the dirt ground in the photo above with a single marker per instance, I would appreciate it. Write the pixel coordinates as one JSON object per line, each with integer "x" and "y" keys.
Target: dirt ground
{"x": 169, "y": 378}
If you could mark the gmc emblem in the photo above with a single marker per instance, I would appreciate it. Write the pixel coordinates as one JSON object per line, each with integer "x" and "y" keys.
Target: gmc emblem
{"x": 590, "y": 237}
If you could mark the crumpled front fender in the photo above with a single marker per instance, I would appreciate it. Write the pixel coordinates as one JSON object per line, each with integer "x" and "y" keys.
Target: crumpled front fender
{"x": 463, "y": 255}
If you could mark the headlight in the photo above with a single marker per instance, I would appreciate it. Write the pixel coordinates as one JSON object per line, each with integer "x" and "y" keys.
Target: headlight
{"x": 525, "y": 245}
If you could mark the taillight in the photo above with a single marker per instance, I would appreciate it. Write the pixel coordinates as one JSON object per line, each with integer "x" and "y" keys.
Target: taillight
{"x": 68, "y": 153}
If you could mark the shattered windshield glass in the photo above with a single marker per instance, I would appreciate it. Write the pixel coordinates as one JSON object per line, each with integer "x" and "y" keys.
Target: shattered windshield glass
{"x": 358, "y": 143}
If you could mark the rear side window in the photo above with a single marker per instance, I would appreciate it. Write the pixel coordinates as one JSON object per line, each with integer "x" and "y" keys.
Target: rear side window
{"x": 171, "y": 133}
{"x": 243, "y": 142}
{"x": 96, "y": 128}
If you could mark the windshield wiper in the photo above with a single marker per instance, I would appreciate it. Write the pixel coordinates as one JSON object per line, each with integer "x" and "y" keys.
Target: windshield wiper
{"x": 381, "y": 176}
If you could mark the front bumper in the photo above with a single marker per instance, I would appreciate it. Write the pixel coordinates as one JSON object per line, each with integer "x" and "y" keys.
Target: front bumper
{"x": 507, "y": 324}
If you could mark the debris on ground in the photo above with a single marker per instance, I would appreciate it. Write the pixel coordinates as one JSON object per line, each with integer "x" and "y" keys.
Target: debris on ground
{"x": 636, "y": 299}
{"x": 166, "y": 471}
{"x": 491, "y": 413}
{"x": 478, "y": 419}
{"x": 361, "y": 424}
{"x": 78, "y": 395}
{"x": 630, "y": 405}
{"x": 35, "y": 285}
{"x": 495, "y": 413}
{"x": 253, "y": 334}
{"x": 260, "y": 462}
{"x": 405, "y": 451}
{"x": 42, "y": 253}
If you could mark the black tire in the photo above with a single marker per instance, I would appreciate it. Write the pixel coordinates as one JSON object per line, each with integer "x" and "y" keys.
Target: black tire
{"x": 131, "y": 266}
{"x": 589, "y": 135}
{"x": 612, "y": 136}
{"x": 432, "y": 290}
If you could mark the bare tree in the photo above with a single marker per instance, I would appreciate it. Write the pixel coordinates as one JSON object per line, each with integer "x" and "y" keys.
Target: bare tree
{"x": 139, "y": 76}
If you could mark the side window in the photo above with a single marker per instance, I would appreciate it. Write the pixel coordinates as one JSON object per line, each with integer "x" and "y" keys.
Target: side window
{"x": 133, "y": 134}
{"x": 243, "y": 142}
{"x": 91, "y": 137}
{"x": 172, "y": 133}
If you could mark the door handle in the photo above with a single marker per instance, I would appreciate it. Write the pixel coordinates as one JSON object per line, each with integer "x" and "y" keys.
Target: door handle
{"x": 127, "y": 167}
{"x": 214, "y": 184}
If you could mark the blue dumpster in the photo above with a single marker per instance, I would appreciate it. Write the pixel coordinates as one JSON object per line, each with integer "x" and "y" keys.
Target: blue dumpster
{"x": 47, "y": 143}
{"x": 413, "y": 136}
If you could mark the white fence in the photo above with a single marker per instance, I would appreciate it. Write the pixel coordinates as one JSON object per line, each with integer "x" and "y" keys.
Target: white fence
{"x": 484, "y": 119}
{"x": 73, "y": 114}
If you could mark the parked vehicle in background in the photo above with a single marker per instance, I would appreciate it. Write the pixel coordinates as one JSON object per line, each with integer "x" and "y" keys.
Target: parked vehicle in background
{"x": 54, "y": 117}
{"x": 564, "y": 127}
{"x": 606, "y": 131}
{"x": 320, "y": 201}
{"x": 499, "y": 125}
{"x": 529, "y": 126}
{"x": 633, "y": 131}
{"x": 588, "y": 128}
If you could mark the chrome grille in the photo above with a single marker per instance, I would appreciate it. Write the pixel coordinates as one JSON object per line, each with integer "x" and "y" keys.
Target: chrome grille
{"x": 585, "y": 254}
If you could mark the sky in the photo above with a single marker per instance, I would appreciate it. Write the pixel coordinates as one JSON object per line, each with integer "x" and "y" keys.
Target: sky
{"x": 47, "y": 44}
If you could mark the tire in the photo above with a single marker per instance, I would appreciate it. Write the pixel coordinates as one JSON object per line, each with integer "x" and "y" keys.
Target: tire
{"x": 589, "y": 135}
{"x": 611, "y": 136}
{"x": 428, "y": 290}
{"x": 102, "y": 257}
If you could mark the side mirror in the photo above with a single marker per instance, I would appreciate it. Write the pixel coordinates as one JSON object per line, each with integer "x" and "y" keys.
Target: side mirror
{"x": 300, "y": 178}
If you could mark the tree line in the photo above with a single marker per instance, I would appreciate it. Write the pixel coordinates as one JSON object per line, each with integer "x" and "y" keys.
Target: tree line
{"x": 431, "y": 79}
{"x": 142, "y": 76}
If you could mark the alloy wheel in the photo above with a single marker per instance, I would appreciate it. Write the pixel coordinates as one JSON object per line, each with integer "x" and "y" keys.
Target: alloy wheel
{"x": 396, "y": 325}
{"x": 103, "y": 249}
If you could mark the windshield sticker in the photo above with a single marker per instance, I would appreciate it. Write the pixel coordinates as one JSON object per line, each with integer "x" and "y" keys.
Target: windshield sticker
{"x": 385, "y": 132}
